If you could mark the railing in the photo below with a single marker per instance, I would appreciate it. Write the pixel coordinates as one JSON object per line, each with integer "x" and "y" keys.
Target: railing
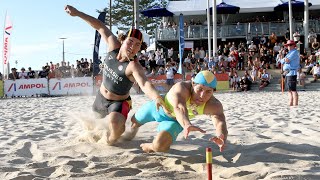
{"x": 236, "y": 30}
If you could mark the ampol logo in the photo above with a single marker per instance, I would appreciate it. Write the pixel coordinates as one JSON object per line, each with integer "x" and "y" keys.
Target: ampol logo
{"x": 13, "y": 85}
{"x": 76, "y": 85}
{"x": 31, "y": 86}
{"x": 58, "y": 84}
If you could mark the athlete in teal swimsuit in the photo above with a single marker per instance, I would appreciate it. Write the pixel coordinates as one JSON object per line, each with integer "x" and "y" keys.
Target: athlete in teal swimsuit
{"x": 184, "y": 100}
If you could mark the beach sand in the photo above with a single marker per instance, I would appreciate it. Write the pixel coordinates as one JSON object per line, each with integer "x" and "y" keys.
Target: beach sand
{"x": 48, "y": 138}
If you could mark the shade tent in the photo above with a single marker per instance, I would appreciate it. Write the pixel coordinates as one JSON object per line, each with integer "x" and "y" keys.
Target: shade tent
{"x": 296, "y": 6}
{"x": 156, "y": 12}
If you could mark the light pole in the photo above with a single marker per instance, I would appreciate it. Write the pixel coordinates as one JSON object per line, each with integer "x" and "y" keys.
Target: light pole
{"x": 63, "y": 48}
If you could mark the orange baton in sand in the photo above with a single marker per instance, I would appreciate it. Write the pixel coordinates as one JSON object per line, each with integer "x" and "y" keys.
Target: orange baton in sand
{"x": 209, "y": 162}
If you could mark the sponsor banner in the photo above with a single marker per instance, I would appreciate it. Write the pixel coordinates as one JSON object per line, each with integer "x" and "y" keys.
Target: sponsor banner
{"x": 71, "y": 86}
{"x": 160, "y": 84}
{"x": 26, "y": 87}
{"x": 1, "y": 89}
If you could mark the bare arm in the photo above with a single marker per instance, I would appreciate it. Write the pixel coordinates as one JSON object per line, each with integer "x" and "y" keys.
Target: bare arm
{"x": 215, "y": 109}
{"x": 178, "y": 95}
{"x": 106, "y": 34}
{"x": 145, "y": 85}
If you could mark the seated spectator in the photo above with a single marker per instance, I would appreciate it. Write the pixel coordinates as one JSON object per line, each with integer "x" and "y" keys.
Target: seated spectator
{"x": 235, "y": 81}
{"x": 23, "y": 74}
{"x": 316, "y": 72}
{"x": 301, "y": 78}
{"x": 265, "y": 79}
{"x": 245, "y": 82}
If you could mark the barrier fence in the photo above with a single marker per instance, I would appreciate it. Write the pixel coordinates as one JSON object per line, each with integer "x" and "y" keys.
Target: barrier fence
{"x": 81, "y": 85}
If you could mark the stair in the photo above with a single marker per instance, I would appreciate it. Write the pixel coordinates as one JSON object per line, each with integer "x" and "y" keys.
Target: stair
{"x": 276, "y": 86}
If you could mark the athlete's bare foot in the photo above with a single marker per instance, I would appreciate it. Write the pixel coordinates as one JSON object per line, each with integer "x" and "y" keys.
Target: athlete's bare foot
{"x": 147, "y": 147}
{"x": 110, "y": 140}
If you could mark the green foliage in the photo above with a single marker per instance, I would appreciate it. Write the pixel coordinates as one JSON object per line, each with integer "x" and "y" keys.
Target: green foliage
{"x": 122, "y": 14}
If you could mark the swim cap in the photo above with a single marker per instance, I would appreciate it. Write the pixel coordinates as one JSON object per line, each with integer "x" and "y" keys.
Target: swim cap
{"x": 206, "y": 78}
{"x": 136, "y": 33}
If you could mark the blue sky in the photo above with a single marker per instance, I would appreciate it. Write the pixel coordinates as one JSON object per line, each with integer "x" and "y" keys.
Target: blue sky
{"x": 38, "y": 25}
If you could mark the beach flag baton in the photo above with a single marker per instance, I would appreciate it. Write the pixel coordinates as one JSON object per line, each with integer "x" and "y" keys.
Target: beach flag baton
{"x": 209, "y": 162}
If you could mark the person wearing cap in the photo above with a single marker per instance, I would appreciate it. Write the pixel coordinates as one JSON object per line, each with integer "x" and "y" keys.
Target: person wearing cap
{"x": 185, "y": 100}
{"x": 291, "y": 64}
{"x": 14, "y": 74}
{"x": 120, "y": 71}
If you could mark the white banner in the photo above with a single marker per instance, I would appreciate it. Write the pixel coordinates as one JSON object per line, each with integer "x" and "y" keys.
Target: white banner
{"x": 71, "y": 86}
{"x": 6, "y": 43}
{"x": 26, "y": 87}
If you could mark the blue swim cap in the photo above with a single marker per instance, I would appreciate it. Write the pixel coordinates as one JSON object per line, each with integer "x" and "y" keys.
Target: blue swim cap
{"x": 206, "y": 78}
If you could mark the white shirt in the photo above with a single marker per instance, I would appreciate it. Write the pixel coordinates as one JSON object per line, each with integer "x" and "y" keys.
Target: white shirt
{"x": 169, "y": 73}
{"x": 316, "y": 70}
{"x": 23, "y": 75}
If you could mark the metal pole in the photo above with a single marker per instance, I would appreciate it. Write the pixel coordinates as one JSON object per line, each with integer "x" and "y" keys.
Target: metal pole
{"x": 306, "y": 23}
{"x": 136, "y": 13}
{"x": 290, "y": 20}
{"x": 214, "y": 27}
{"x": 208, "y": 25}
{"x": 63, "y": 48}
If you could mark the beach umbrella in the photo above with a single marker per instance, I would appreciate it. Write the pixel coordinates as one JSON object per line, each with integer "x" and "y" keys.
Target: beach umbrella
{"x": 296, "y": 6}
{"x": 156, "y": 11}
{"x": 224, "y": 8}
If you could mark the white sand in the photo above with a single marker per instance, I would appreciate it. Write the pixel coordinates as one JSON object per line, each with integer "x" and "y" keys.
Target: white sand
{"x": 267, "y": 140}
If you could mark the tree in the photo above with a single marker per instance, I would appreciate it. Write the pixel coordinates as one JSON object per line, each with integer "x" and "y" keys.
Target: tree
{"x": 122, "y": 14}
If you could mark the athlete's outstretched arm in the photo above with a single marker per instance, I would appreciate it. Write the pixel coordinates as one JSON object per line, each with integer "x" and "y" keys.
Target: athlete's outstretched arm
{"x": 106, "y": 34}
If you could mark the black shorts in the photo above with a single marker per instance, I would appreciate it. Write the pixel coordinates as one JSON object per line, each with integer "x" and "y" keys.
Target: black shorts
{"x": 291, "y": 83}
{"x": 104, "y": 106}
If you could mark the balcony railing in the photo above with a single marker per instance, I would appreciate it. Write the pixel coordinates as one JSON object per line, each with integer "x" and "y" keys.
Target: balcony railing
{"x": 240, "y": 30}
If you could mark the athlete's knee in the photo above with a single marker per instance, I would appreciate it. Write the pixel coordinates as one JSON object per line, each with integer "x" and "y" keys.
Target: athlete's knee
{"x": 135, "y": 123}
{"x": 116, "y": 119}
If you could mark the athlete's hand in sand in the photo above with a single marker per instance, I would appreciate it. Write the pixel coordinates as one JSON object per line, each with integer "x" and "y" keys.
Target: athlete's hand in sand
{"x": 219, "y": 141}
{"x": 160, "y": 102}
{"x": 71, "y": 10}
{"x": 190, "y": 128}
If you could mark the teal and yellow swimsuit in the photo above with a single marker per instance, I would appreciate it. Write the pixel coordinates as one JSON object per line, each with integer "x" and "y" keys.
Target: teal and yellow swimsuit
{"x": 148, "y": 113}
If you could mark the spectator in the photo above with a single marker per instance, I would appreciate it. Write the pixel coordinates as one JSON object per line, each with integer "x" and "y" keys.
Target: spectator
{"x": 296, "y": 37}
{"x": 14, "y": 74}
{"x": 44, "y": 73}
{"x": 316, "y": 72}
{"x": 301, "y": 78}
{"x": 265, "y": 79}
{"x": 31, "y": 73}
{"x": 23, "y": 74}
{"x": 245, "y": 82}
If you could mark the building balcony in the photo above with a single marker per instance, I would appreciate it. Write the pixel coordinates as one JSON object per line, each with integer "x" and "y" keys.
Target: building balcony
{"x": 239, "y": 30}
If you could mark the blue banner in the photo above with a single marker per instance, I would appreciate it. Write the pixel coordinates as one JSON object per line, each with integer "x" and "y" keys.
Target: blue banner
{"x": 181, "y": 42}
{"x": 96, "y": 60}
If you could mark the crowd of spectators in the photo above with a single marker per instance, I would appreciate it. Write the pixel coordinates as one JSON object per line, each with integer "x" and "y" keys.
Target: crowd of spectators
{"x": 254, "y": 57}
{"x": 82, "y": 68}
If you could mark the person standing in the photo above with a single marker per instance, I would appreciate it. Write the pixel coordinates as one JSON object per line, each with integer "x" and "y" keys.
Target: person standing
{"x": 120, "y": 70}
{"x": 291, "y": 64}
